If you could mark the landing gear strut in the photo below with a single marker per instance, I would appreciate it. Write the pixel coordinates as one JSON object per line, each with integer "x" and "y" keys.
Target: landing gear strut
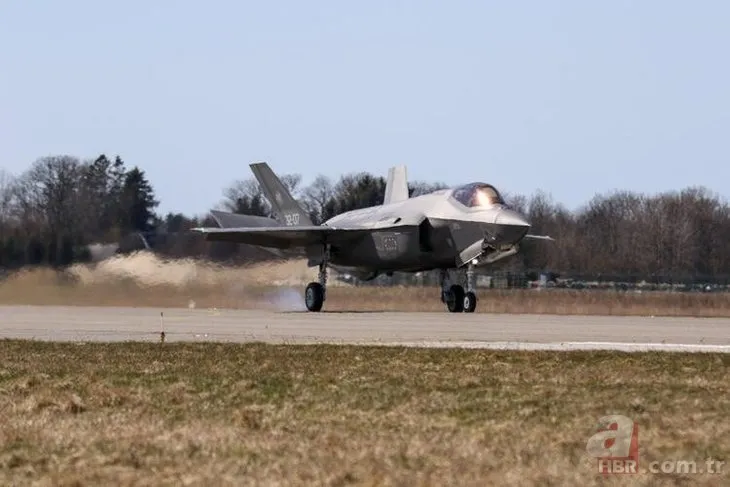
{"x": 316, "y": 292}
{"x": 453, "y": 295}
{"x": 470, "y": 298}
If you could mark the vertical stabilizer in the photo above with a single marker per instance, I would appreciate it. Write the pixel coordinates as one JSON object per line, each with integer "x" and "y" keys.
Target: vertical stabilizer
{"x": 396, "y": 188}
{"x": 287, "y": 209}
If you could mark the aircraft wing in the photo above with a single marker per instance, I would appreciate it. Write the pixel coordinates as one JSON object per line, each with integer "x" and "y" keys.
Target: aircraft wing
{"x": 539, "y": 237}
{"x": 284, "y": 236}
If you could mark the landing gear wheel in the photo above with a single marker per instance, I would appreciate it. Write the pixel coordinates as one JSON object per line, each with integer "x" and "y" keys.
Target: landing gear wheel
{"x": 455, "y": 299}
{"x": 314, "y": 296}
{"x": 470, "y": 302}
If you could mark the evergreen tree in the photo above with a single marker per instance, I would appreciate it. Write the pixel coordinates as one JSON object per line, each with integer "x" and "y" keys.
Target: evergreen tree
{"x": 353, "y": 192}
{"x": 251, "y": 205}
{"x": 137, "y": 202}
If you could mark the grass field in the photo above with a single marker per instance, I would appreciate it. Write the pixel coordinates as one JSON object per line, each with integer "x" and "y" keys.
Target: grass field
{"x": 197, "y": 414}
{"x": 145, "y": 280}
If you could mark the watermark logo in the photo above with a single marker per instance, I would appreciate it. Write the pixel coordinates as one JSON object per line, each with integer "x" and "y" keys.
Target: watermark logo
{"x": 615, "y": 445}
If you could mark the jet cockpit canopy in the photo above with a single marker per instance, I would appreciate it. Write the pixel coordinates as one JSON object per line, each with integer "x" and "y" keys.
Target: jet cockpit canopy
{"x": 478, "y": 195}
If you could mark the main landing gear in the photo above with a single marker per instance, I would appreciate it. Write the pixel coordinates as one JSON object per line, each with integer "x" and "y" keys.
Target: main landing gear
{"x": 456, "y": 299}
{"x": 315, "y": 293}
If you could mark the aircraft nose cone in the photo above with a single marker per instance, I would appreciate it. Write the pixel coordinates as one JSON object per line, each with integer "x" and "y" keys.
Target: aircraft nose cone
{"x": 511, "y": 226}
{"x": 512, "y": 218}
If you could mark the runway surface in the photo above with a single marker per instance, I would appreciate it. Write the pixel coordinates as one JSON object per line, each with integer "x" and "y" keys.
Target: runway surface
{"x": 477, "y": 330}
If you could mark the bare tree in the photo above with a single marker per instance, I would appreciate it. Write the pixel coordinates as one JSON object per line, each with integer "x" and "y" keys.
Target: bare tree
{"x": 315, "y": 197}
{"x": 6, "y": 195}
{"x": 47, "y": 205}
{"x": 418, "y": 188}
{"x": 517, "y": 202}
{"x": 245, "y": 196}
{"x": 55, "y": 181}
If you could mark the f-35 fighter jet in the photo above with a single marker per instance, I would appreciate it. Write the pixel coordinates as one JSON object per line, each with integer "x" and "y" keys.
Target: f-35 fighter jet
{"x": 450, "y": 229}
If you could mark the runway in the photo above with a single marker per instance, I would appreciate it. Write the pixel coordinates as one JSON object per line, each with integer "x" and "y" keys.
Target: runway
{"x": 477, "y": 330}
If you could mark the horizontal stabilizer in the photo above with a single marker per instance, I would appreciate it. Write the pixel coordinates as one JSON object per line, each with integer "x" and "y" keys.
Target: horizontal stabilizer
{"x": 231, "y": 220}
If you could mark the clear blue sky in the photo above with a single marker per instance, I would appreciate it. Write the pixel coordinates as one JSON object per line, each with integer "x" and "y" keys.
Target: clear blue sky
{"x": 570, "y": 97}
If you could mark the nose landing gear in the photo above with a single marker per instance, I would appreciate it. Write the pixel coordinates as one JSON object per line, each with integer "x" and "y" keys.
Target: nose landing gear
{"x": 470, "y": 298}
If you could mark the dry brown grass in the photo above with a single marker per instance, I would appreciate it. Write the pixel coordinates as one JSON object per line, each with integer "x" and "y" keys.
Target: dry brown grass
{"x": 233, "y": 414}
{"x": 145, "y": 280}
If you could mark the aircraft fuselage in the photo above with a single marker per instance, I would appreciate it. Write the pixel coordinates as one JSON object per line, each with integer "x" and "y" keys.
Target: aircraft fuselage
{"x": 430, "y": 232}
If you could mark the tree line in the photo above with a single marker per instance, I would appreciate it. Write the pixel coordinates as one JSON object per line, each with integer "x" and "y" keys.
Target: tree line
{"x": 53, "y": 212}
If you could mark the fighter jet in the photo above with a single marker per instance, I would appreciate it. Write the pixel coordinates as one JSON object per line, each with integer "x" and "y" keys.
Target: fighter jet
{"x": 454, "y": 229}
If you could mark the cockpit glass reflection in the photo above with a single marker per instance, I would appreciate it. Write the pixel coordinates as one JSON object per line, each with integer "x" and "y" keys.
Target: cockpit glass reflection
{"x": 478, "y": 195}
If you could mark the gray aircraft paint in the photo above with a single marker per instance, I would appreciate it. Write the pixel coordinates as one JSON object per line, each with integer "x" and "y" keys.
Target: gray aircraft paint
{"x": 426, "y": 232}
{"x": 396, "y": 186}
{"x": 287, "y": 210}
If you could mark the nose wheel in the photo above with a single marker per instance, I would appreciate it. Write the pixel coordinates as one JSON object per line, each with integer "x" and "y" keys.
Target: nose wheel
{"x": 470, "y": 302}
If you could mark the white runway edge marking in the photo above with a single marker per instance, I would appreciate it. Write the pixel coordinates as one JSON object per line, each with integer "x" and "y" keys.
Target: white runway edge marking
{"x": 565, "y": 346}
